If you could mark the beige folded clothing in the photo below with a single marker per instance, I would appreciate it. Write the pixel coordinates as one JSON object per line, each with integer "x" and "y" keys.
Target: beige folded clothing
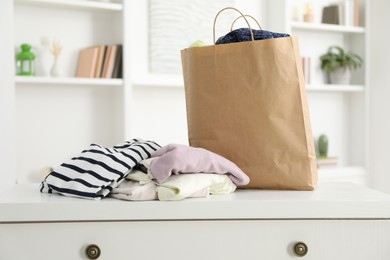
{"x": 182, "y": 186}
{"x": 140, "y": 186}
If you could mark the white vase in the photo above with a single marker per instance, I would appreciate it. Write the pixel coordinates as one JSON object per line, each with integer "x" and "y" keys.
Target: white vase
{"x": 44, "y": 61}
{"x": 44, "y": 58}
{"x": 341, "y": 76}
{"x": 55, "y": 69}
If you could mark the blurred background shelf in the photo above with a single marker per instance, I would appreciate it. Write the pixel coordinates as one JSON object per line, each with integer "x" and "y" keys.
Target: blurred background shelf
{"x": 355, "y": 174}
{"x": 159, "y": 80}
{"x": 68, "y": 81}
{"x": 74, "y": 4}
{"x": 334, "y": 88}
{"x": 327, "y": 27}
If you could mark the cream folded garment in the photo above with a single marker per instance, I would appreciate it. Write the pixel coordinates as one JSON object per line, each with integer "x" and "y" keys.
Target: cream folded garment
{"x": 140, "y": 186}
{"x": 136, "y": 186}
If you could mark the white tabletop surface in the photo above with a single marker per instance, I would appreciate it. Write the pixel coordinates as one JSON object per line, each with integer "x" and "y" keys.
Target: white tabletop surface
{"x": 24, "y": 203}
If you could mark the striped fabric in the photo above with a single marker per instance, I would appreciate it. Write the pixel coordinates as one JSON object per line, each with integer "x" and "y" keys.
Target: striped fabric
{"x": 96, "y": 171}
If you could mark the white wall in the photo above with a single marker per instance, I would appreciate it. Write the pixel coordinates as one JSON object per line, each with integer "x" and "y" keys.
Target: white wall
{"x": 380, "y": 94}
{"x": 7, "y": 102}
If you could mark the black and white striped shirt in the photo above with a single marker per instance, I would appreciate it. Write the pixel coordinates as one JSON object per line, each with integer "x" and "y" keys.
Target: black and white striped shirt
{"x": 96, "y": 171}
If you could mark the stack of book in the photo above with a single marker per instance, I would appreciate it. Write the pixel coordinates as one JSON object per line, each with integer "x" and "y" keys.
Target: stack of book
{"x": 101, "y": 61}
{"x": 327, "y": 161}
{"x": 306, "y": 69}
{"x": 345, "y": 13}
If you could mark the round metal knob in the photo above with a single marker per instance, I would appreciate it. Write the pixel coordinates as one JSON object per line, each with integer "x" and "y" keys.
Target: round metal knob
{"x": 92, "y": 252}
{"x": 300, "y": 249}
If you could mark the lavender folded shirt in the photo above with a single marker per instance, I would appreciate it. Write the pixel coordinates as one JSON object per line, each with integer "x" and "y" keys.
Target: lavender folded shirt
{"x": 176, "y": 159}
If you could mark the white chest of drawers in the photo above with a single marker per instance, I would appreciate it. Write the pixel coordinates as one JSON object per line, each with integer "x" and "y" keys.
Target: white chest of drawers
{"x": 337, "y": 221}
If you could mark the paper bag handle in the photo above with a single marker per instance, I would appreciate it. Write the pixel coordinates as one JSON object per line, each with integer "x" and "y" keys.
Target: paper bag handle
{"x": 242, "y": 15}
{"x": 247, "y": 15}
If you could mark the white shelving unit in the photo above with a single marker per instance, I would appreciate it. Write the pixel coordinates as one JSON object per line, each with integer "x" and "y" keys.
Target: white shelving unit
{"x": 65, "y": 114}
{"x": 339, "y": 111}
{"x": 108, "y": 111}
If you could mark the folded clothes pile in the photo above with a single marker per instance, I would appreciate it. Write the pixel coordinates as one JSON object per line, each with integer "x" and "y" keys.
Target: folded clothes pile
{"x": 142, "y": 170}
{"x": 177, "y": 171}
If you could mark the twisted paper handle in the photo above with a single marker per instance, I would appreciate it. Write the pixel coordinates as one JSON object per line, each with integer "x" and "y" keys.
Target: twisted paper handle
{"x": 242, "y": 15}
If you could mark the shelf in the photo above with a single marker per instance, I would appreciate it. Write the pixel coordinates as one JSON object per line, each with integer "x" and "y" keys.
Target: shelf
{"x": 159, "y": 80}
{"x": 68, "y": 81}
{"x": 327, "y": 27}
{"x": 334, "y": 88}
{"x": 166, "y": 80}
{"x": 353, "y": 174}
{"x": 341, "y": 173}
{"x": 75, "y": 4}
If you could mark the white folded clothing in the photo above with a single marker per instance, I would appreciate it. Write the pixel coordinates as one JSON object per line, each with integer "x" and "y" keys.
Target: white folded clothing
{"x": 139, "y": 186}
{"x": 178, "y": 187}
{"x": 133, "y": 190}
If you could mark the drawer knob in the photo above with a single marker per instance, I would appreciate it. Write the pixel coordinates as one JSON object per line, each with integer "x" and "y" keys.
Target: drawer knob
{"x": 300, "y": 249}
{"x": 92, "y": 252}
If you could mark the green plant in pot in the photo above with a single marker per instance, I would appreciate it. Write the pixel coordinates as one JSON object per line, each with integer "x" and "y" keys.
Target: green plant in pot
{"x": 339, "y": 63}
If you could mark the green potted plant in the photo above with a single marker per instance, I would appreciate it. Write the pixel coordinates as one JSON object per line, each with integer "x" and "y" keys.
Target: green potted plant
{"x": 338, "y": 64}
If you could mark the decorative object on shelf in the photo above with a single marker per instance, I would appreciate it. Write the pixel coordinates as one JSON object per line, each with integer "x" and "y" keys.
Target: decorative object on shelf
{"x": 322, "y": 158}
{"x": 56, "y": 51}
{"x": 331, "y": 14}
{"x": 44, "y": 58}
{"x": 25, "y": 61}
{"x": 308, "y": 16}
{"x": 338, "y": 64}
{"x": 323, "y": 146}
{"x": 296, "y": 13}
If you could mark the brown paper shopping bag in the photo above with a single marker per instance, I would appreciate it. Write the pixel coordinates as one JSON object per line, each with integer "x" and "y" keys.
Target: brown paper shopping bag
{"x": 247, "y": 102}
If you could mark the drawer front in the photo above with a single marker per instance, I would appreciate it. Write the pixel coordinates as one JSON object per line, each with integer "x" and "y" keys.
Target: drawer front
{"x": 266, "y": 239}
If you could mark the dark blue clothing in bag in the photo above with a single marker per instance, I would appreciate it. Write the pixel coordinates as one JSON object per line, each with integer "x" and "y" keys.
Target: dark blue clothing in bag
{"x": 243, "y": 35}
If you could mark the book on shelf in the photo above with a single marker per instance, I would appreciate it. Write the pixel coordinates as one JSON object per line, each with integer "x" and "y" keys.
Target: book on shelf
{"x": 327, "y": 161}
{"x": 101, "y": 61}
{"x": 87, "y": 62}
{"x": 111, "y": 59}
{"x": 331, "y": 14}
{"x": 105, "y": 64}
{"x": 356, "y": 13}
{"x": 117, "y": 71}
{"x": 306, "y": 69}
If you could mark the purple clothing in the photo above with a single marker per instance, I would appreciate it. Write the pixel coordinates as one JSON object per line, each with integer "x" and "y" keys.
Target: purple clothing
{"x": 176, "y": 159}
